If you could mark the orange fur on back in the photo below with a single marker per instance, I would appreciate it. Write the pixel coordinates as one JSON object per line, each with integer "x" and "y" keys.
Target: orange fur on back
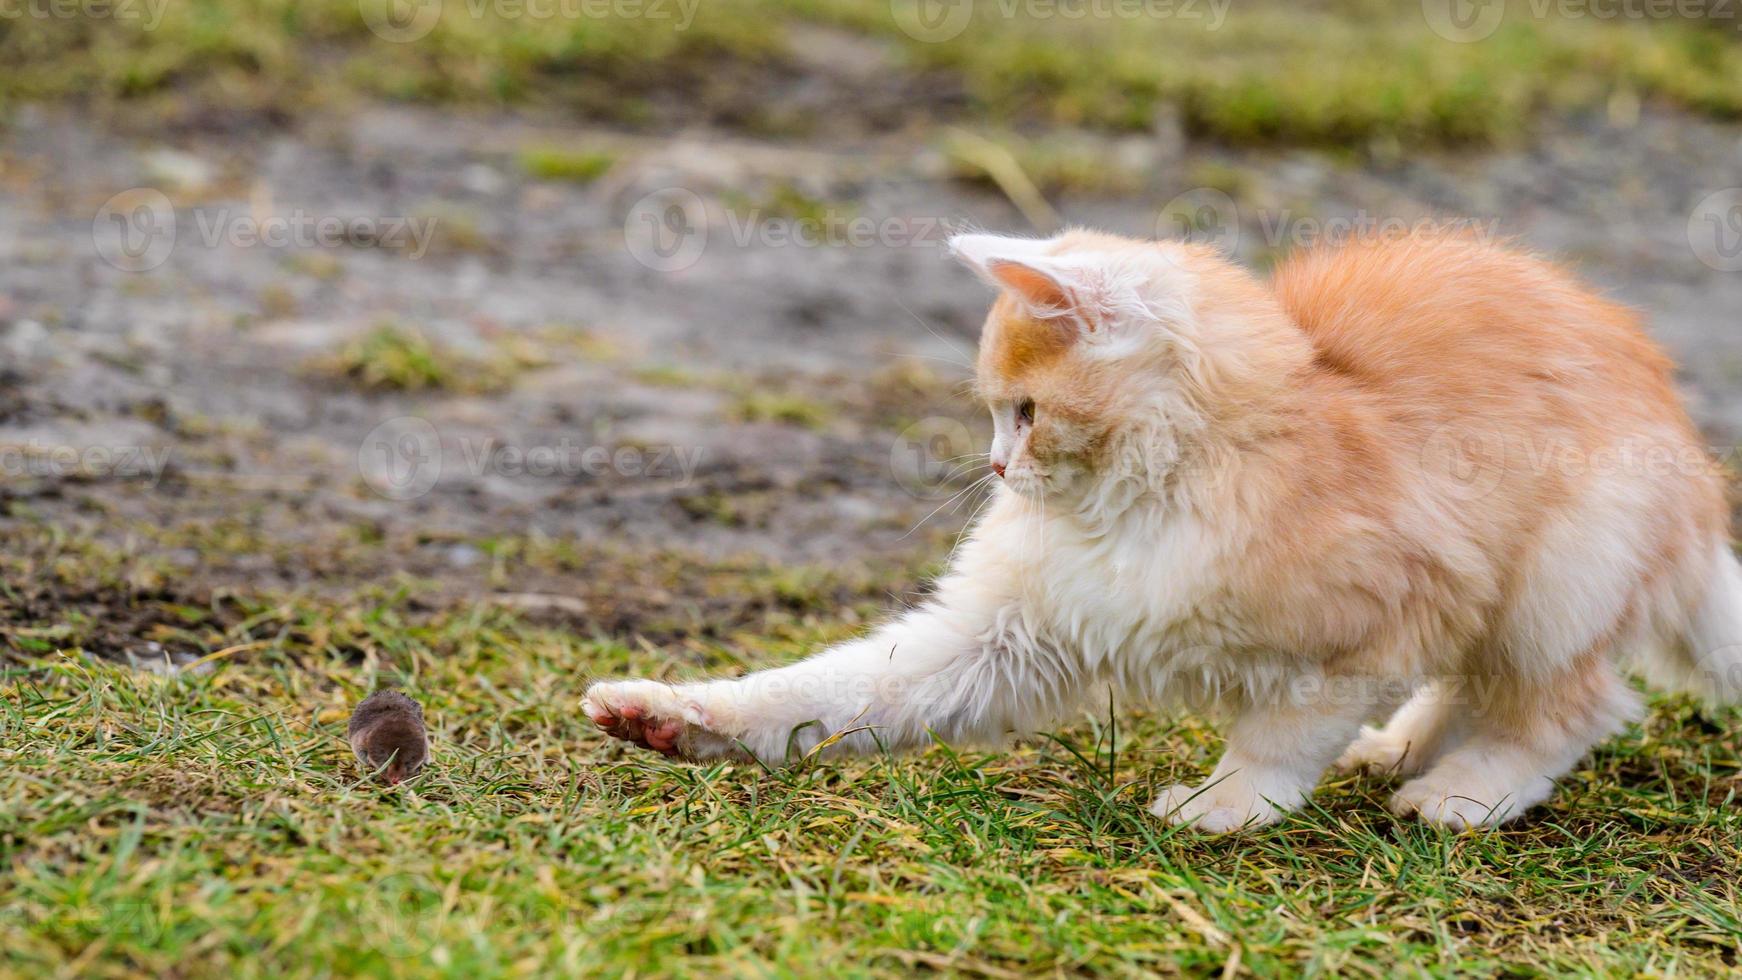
{"x": 1453, "y": 322}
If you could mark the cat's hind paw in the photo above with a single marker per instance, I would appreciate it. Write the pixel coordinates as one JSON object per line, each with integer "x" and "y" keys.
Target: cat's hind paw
{"x": 1382, "y": 753}
{"x": 1462, "y": 803}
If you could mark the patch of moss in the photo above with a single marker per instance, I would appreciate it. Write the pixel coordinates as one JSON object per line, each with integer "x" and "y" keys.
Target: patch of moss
{"x": 668, "y": 376}
{"x": 393, "y": 357}
{"x": 1061, "y": 164}
{"x": 573, "y": 166}
{"x": 782, "y": 407}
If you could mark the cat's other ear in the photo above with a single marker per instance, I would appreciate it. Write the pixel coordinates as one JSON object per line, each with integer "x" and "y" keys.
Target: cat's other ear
{"x": 1046, "y": 285}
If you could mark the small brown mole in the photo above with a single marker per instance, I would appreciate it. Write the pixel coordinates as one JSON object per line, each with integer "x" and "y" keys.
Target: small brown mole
{"x": 387, "y": 733}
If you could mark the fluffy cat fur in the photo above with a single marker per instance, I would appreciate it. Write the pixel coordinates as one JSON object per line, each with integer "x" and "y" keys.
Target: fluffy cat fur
{"x": 1430, "y": 480}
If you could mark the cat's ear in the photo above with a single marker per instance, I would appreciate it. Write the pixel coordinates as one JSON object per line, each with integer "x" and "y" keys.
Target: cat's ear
{"x": 1046, "y": 285}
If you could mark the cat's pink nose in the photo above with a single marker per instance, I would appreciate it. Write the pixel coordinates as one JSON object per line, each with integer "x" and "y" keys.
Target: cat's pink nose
{"x": 998, "y": 467}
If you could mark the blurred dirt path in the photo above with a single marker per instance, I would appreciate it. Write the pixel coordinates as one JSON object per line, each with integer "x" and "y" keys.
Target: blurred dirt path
{"x": 716, "y": 347}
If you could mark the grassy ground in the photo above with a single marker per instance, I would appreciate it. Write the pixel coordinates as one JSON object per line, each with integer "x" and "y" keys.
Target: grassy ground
{"x": 210, "y": 821}
{"x": 1341, "y": 72}
{"x": 213, "y": 822}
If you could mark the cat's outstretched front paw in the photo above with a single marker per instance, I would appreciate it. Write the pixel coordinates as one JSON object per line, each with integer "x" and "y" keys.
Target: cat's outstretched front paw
{"x": 1233, "y": 803}
{"x": 655, "y": 716}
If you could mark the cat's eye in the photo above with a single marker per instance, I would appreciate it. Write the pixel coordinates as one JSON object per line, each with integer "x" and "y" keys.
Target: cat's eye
{"x": 1025, "y": 411}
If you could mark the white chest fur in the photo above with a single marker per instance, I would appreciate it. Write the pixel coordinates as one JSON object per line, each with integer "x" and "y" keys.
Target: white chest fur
{"x": 1138, "y": 606}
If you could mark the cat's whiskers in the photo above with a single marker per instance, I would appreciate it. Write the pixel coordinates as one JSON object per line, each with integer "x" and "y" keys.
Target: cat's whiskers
{"x": 973, "y": 520}
{"x": 968, "y": 358}
{"x": 933, "y": 357}
{"x": 953, "y": 497}
{"x": 983, "y": 500}
{"x": 964, "y": 468}
{"x": 982, "y": 457}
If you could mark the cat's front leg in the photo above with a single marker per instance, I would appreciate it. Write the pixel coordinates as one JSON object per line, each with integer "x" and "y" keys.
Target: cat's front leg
{"x": 945, "y": 668}
{"x": 1277, "y": 750}
{"x": 670, "y": 719}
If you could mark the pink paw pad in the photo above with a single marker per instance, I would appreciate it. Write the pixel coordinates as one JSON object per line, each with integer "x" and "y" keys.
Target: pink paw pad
{"x": 633, "y": 724}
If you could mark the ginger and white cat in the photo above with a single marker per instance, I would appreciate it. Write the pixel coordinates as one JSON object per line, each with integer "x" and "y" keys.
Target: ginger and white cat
{"x": 1425, "y": 479}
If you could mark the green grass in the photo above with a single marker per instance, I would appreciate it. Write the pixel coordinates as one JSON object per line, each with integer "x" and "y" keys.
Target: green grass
{"x": 667, "y": 376}
{"x": 784, "y": 407}
{"x": 392, "y": 357}
{"x": 786, "y": 401}
{"x": 1339, "y": 72}
{"x": 574, "y": 166}
{"x": 1058, "y": 163}
{"x": 784, "y": 200}
{"x": 1335, "y": 73}
{"x": 213, "y": 823}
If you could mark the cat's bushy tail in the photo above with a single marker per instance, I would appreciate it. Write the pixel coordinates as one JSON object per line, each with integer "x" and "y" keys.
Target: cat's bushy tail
{"x": 1706, "y": 659}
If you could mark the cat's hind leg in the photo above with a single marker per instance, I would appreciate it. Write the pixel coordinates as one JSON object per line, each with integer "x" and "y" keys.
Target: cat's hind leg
{"x": 1523, "y": 734}
{"x": 1427, "y": 725}
{"x": 1276, "y": 752}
